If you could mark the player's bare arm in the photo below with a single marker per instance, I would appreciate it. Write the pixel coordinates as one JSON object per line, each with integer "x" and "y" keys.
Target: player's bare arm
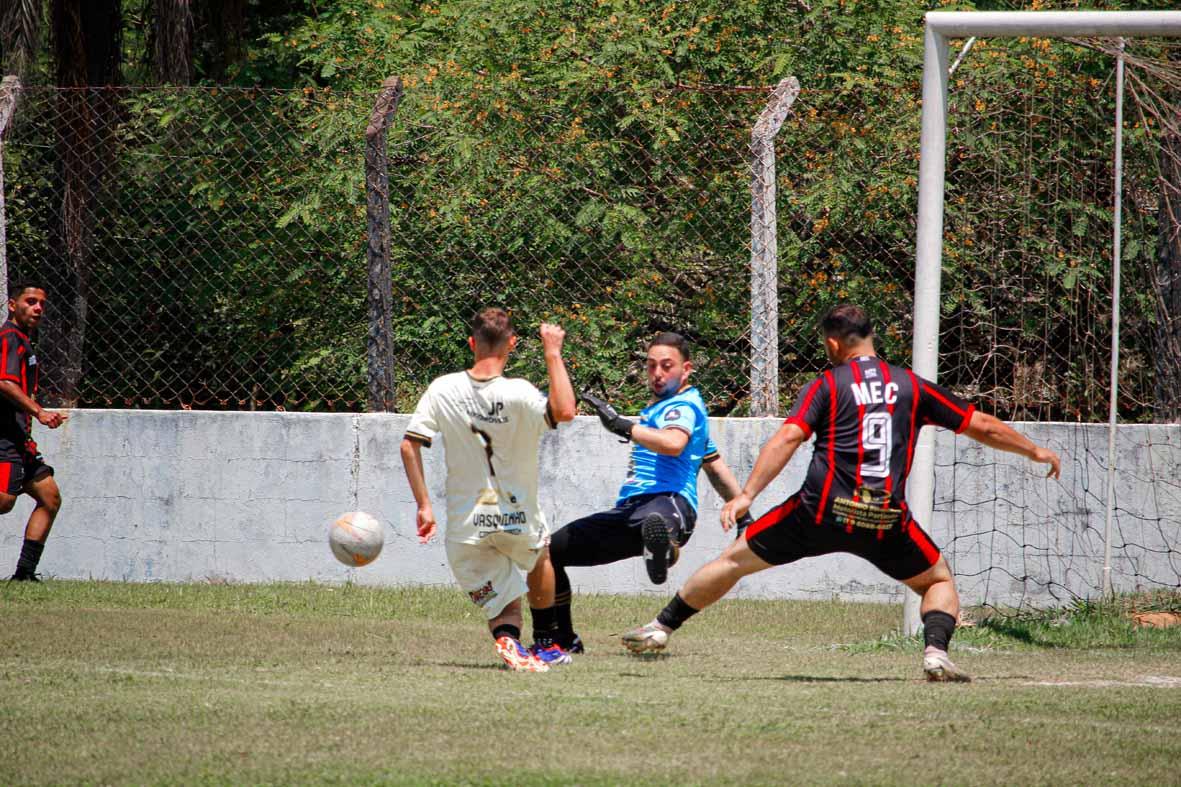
{"x": 412, "y": 462}
{"x": 50, "y": 418}
{"x": 722, "y": 479}
{"x": 669, "y": 441}
{"x": 995, "y": 433}
{"x": 563, "y": 404}
{"x": 773, "y": 457}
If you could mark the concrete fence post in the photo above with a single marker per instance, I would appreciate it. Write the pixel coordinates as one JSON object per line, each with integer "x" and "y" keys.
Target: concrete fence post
{"x": 764, "y": 252}
{"x": 379, "y": 344}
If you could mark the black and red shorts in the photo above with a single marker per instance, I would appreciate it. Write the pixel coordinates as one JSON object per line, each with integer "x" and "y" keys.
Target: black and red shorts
{"x": 789, "y": 532}
{"x": 17, "y": 468}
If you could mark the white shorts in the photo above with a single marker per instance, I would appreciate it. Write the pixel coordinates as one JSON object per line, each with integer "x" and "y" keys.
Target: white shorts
{"x": 490, "y": 571}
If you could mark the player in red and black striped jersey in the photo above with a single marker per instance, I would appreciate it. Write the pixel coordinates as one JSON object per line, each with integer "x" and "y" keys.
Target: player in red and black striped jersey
{"x": 866, "y": 416}
{"x": 22, "y": 469}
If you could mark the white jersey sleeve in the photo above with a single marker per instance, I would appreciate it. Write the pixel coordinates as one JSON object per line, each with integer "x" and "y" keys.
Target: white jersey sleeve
{"x": 534, "y": 405}
{"x": 424, "y": 424}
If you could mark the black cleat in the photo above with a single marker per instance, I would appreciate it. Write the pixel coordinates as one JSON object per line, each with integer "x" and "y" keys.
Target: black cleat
{"x": 575, "y": 645}
{"x": 656, "y": 548}
{"x": 19, "y": 577}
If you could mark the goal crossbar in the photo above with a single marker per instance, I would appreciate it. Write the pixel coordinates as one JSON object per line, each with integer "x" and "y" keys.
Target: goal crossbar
{"x": 941, "y": 27}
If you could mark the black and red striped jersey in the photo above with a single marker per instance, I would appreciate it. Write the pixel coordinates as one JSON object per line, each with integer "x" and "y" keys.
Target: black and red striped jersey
{"x": 866, "y": 415}
{"x": 18, "y": 364}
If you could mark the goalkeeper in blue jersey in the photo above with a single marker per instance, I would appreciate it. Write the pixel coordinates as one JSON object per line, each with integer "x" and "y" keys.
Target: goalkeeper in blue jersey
{"x": 657, "y": 506}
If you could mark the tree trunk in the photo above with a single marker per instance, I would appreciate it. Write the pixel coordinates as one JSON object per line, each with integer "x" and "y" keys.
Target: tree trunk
{"x": 20, "y": 33}
{"x": 86, "y": 50}
{"x": 172, "y": 42}
{"x": 220, "y": 28}
{"x": 1167, "y": 283}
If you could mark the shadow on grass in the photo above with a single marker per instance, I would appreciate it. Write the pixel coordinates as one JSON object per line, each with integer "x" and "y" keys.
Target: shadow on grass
{"x": 466, "y": 665}
{"x": 1015, "y": 629}
{"x": 809, "y": 679}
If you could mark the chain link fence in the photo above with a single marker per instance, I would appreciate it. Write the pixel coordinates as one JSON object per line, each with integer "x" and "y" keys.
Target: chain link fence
{"x": 207, "y": 247}
{"x": 189, "y": 257}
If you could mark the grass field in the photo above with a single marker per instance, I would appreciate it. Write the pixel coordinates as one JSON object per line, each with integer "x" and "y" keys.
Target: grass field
{"x": 214, "y": 684}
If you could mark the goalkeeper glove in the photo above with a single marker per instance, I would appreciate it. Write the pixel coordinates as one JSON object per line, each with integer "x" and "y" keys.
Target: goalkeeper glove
{"x": 611, "y": 419}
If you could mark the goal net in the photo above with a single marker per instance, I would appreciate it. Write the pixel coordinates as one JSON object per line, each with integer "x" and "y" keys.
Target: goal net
{"x": 1030, "y": 303}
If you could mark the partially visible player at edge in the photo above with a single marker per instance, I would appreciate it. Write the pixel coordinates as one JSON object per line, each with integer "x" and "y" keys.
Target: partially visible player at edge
{"x": 492, "y": 427}
{"x": 22, "y": 469}
{"x": 866, "y": 415}
{"x": 656, "y": 510}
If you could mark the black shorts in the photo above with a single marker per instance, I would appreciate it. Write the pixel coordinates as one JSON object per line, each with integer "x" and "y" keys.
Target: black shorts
{"x": 789, "y": 532}
{"x": 15, "y": 472}
{"x": 613, "y": 535}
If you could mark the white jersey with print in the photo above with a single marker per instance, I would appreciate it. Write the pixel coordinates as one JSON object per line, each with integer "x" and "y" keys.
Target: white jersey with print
{"x": 491, "y": 431}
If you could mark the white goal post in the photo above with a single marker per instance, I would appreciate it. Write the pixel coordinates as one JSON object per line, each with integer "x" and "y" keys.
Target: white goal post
{"x": 941, "y": 27}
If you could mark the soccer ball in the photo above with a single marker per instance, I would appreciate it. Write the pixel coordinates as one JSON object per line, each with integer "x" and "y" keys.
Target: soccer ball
{"x": 356, "y": 538}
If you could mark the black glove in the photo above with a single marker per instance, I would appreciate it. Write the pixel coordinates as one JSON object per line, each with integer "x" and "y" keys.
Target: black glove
{"x": 743, "y": 522}
{"x": 611, "y": 419}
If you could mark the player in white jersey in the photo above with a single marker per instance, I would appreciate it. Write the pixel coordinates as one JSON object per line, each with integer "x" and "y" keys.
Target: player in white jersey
{"x": 491, "y": 426}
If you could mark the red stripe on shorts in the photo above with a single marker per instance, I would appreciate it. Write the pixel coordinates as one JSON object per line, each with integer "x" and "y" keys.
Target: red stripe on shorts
{"x": 772, "y": 517}
{"x": 929, "y": 550}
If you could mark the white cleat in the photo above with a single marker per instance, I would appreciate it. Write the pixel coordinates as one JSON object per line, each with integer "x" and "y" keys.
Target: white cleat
{"x": 646, "y": 639}
{"x": 940, "y": 669}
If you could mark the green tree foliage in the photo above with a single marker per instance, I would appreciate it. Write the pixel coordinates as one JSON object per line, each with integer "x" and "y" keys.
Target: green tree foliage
{"x": 586, "y": 162}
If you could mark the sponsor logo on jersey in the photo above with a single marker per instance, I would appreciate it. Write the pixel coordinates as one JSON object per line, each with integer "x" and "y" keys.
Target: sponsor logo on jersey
{"x": 494, "y": 414}
{"x": 874, "y": 393}
{"x": 672, "y": 415}
{"x": 482, "y": 596}
{"x": 510, "y": 522}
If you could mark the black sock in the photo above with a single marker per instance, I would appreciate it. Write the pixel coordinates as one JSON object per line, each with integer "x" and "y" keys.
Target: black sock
{"x": 30, "y": 557}
{"x": 563, "y": 624}
{"x": 937, "y": 629}
{"x": 562, "y": 596}
{"x": 545, "y": 626}
{"x": 506, "y": 630}
{"x": 675, "y": 613}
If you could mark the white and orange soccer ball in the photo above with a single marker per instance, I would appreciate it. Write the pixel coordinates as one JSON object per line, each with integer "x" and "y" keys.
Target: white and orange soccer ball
{"x": 356, "y": 538}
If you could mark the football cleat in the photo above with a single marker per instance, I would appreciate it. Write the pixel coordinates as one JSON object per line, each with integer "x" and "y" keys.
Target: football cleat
{"x": 517, "y": 658}
{"x": 940, "y": 669}
{"x": 575, "y": 645}
{"x": 551, "y": 654}
{"x": 20, "y": 577}
{"x": 656, "y": 548}
{"x": 648, "y": 638}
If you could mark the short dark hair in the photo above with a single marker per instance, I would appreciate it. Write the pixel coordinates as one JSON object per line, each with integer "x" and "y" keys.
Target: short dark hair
{"x": 14, "y": 290}
{"x": 671, "y": 339}
{"x": 492, "y": 327}
{"x": 845, "y": 321}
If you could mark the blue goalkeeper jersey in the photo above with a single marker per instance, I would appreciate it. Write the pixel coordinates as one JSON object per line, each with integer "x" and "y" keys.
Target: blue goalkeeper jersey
{"x": 649, "y": 472}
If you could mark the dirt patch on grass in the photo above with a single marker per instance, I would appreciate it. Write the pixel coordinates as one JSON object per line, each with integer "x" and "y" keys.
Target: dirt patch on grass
{"x": 1155, "y": 681}
{"x": 1157, "y": 620}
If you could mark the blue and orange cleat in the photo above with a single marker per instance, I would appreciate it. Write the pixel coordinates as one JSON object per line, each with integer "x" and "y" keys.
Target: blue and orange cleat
{"x": 517, "y": 657}
{"x": 550, "y": 653}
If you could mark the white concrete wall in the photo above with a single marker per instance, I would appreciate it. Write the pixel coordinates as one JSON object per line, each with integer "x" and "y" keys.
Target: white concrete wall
{"x": 179, "y": 496}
